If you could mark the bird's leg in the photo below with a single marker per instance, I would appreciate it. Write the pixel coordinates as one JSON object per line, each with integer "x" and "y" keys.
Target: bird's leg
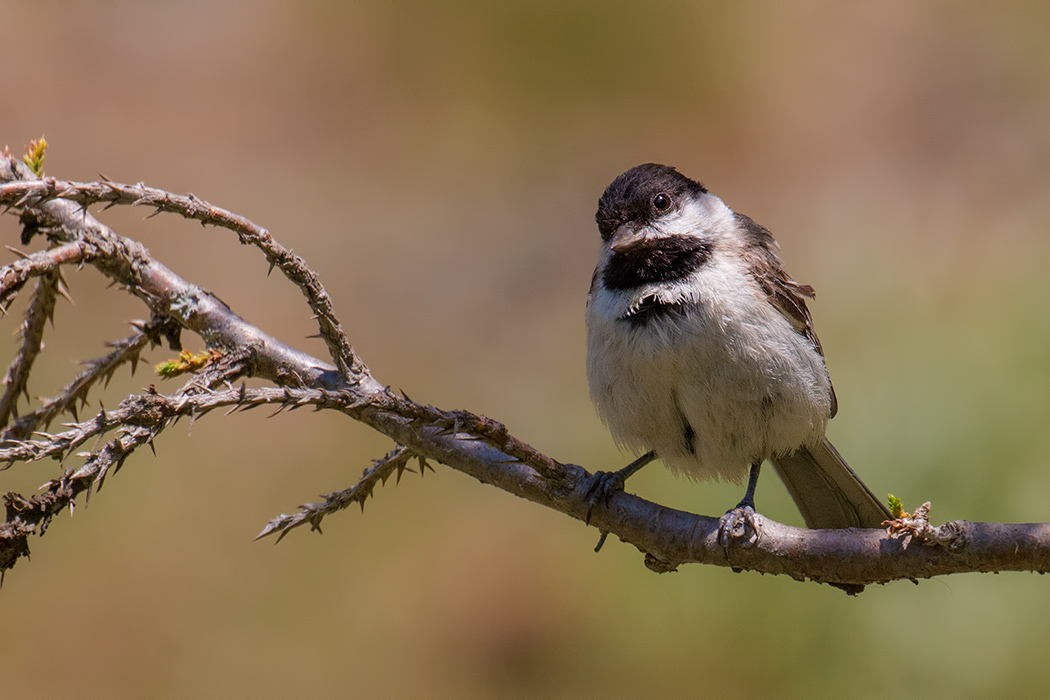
{"x": 752, "y": 481}
{"x": 607, "y": 483}
{"x": 739, "y": 523}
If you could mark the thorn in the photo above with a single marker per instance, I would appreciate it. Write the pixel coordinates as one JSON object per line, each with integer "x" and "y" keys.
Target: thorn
{"x": 17, "y": 252}
{"x": 63, "y": 290}
{"x": 601, "y": 541}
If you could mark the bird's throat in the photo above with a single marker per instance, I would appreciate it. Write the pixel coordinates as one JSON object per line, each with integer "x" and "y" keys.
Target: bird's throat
{"x": 654, "y": 261}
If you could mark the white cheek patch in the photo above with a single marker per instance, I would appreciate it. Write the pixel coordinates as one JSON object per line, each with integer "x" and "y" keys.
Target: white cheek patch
{"x": 706, "y": 216}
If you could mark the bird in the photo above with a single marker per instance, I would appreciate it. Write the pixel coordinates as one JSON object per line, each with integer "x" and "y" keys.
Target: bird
{"x": 701, "y": 352}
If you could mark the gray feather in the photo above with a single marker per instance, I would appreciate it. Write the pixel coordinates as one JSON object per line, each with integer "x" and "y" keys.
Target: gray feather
{"x": 827, "y": 492}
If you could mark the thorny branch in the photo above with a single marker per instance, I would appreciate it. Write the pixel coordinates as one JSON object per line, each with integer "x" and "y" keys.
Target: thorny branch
{"x": 75, "y": 394}
{"x": 15, "y": 275}
{"x": 41, "y": 310}
{"x": 394, "y": 463}
{"x": 192, "y": 207}
{"x": 57, "y": 210}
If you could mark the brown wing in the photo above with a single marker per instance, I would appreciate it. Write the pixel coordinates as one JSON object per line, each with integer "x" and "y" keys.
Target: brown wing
{"x": 787, "y": 295}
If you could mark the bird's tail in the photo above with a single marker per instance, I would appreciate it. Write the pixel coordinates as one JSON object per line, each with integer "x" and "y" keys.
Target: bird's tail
{"x": 827, "y": 492}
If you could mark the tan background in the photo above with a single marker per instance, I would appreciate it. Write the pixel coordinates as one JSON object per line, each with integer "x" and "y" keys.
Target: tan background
{"x": 439, "y": 164}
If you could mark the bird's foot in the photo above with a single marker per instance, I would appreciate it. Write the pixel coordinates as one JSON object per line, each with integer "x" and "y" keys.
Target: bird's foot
{"x": 605, "y": 485}
{"x": 738, "y": 527}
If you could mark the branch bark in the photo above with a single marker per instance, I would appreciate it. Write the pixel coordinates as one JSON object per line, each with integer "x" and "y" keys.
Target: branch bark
{"x": 41, "y": 310}
{"x": 909, "y": 548}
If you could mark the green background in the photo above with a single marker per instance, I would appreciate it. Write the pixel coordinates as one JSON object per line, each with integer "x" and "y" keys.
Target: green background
{"x": 439, "y": 165}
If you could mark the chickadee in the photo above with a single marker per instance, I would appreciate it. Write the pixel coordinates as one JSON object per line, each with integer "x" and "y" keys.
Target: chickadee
{"x": 701, "y": 351}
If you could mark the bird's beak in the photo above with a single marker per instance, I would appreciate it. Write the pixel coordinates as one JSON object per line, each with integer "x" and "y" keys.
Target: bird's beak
{"x": 627, "y": 236}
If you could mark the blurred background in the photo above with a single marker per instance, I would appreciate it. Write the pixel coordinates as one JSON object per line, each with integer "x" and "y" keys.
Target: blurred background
{"x": 438, "y": 164}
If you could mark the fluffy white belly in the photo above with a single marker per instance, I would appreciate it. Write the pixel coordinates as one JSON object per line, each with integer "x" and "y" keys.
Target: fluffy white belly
{"x": 722, "y": 384}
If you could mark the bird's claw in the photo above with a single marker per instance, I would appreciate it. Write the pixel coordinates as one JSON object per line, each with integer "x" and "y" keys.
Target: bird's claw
{"x": 738, "y": 526}
{"x": 605, "y": 485}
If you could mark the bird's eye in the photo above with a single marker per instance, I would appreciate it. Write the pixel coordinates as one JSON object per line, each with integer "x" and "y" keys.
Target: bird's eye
{"x": 662, "y": 202}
